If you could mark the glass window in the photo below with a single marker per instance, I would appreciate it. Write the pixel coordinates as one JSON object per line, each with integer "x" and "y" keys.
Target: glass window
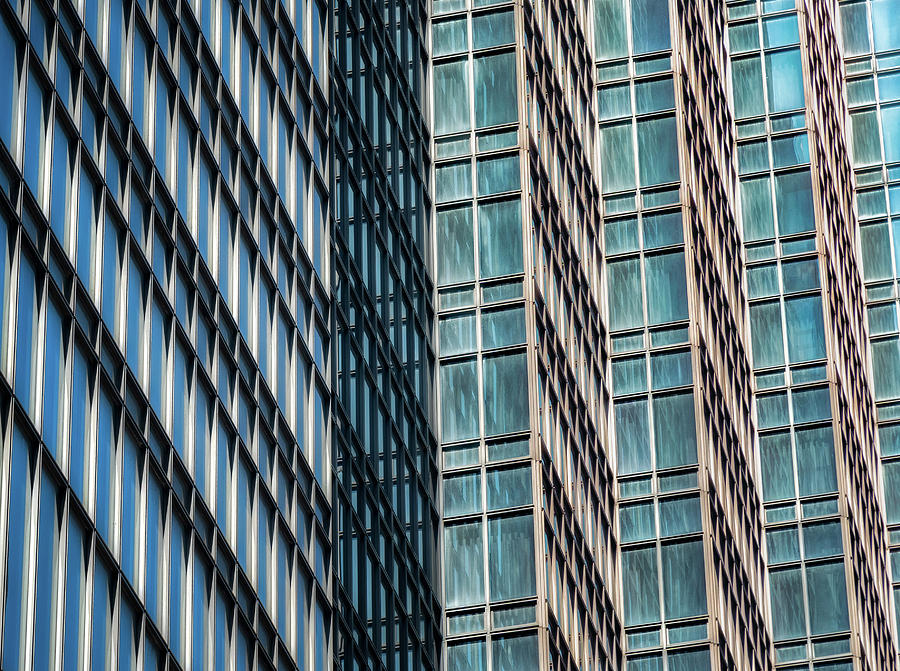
{"x": 780, "y": 31}
{"x": 674, "y": 431}
{"x": 451, "y": 88}
{"x": 855, "y": 28}
{"x": 78, "y": 555}
{"x": 629, "y": 375}
{"x": 636, "y": 522}
{"x": 609, "y": 29}
{"x": 662, "y": 229}
{"x": 892, "y": 491}
{"x": 654, "y": 95}
{"x": 666, "y": 288}
{"x": 777, "y": 466}
{"x": 766, "y": 334}
{"x": 679, "y": 516}
{"x": 649, "y": 25}
{"x": 885, "y": 27}
{"x": 457, "y": 334}
{"x": 748, "y": 86}
{"x": 625, "y": 297}
{"x": 670, "y": 369}
{"x": 827, "y": 593}
{"x": 455, "y": 245}
{"x": 495, "y": 89}
{"x": 27, "y": 323}
{"x": 886, "y": 364}
{"x": 462, "y": 494}
{"x": 684, "y": 583}
{"x": 865, "y": 137}
{"x": 689, "y": 660}
{"x": 657, "y": 150}
{"x": 743, "y": 37}
{"x": 822, "y": 539}
{"x": 793, "y": 195}
{"x": 498, "y": 174}
{"x": 508, "y": 487}
{"x": 501, "y": 328}
{"x": 816, "y": 472}
{"x": 789, "y": 150}
{"x": 466, "y": 656}
{"x": 459, "y": 401}
{"x": 617, "y": 157}
{"x": 784, "y": 80}
{"x": 511, "y": 553}
{"x": 615, "y": 101}
{"x": 632, "y": 436}
{"x": 783, "y": 545}
{"x": 505, "y": 394}
{"x": 756, "y": 208}
{"x": 494, "y": 29}
{"x": 786, "y": 591}
{"x": 449, "y": 37}
{"x": 515, "y": 653}
{"x": 640, "y": 586}
{"x": 453, "y": 181}
{"x": 18, "y": 534}
{"x": 805, "y": 328}
{"x": 890, "y": 126}
{"x": 500, "y": 238}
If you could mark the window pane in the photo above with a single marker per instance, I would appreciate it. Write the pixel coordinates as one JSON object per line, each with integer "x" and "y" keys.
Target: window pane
{"x": 625, "y": 298}
{"x": 464, "y": 569}
{"x": 496, "y": 175}
{"x": 617, "y": 157}
{"x": 679, "y": 516}
{"x": 515, "y": 653}
{"x": 632, "y": 436}
{"x": 805, "y": 328}
{"x": 748, "y": 87}
{"x": 756, "y": 208}
{"x": 451, "y": 87}
{"x": 453, "y": 181}
{"x": 816, "y": 472}
{"x": 468, "y": 656}
{"x": 457, "y": 334}
{"x": 684, "y": 581}
{"x": 666, "y": 288}
{"x": 827, "y": 594}
{"x": 500, "y": 238}
{"x": 674, "y": 431}
{"x": 890, "y": 126}
{"x": 885, "y": 27}
{"x": 609, "y": 29}
{"x": 511, "y": 543}
{"x": 491, "y": 30}
{"x": 462, "y": 494}
{"x": 786, "y": 591}
{"x": 505, "y": 394}
{"x": 822, "y": 540}
{"x": 495, "y": 90}
{"x": 766, "y": 334}
{"x": 794, "y": 203}
{"x": 886, "y": 364}
{"x": 640, "y": 586}
{"x": 455, "y": 245}
{"x": 855, "y": 28}
{"x": 649, "y": 25}
{"x": 508, "y": 487}
{"x": 777, "y": 466}
{"x": 865, "y": 137}
{"x": 501, "y": 328}
{"x": 459, "y": 401}
{"x": 875, "y": 241}
{"x": 784, "y": 80}
{"x": 636, "y": 522}
{"x": 783, "y": 545}
{"x": 657, "y": 151}
{"x": 448, "y": 37}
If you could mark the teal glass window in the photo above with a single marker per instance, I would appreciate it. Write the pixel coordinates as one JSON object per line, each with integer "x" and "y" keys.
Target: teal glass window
{"x": 640, "y": 586}
{"x": 493, "y": 29}
{"x": 449, "y": 37}
{"x": 463, "y": 564}
{"x": 650, "y": 25}
{"x": 786, "y": 593}
{"x": 455, "y": 245}
{"x": 816, "y": 471}
{"x": 459, "y": 401}
{"x": 625, "y": 295}
{"x": 498, "y": 174}
{"x": 657, "y": 150}
{"x": 451, "y": 87}
{"x": 777, "y": 466}
{"x": 511, "y": 557}
{"x": 617, "y": 157}
{"x": 666, "y": 288}
{"x": 505, "y": 394}
{"x": 766, "y": 334}
{"x": 495, "y": 89}
{"x": 508, "y": 487}
{"x": 462, "y": 494}
{"x": 633, "y": 436}
{"x": 684, "y": 583}
{"x": 827, "y": 594}
{"x": 500, "y": 238}
{"x": 784, "y": 80}
{"x": 794, "y": 202}
{"x": 675, "y": 438}
{"x": 609, "y": 29}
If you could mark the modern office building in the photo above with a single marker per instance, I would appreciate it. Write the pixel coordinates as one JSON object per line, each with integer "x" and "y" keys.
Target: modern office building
{"x": 470, "y": 335}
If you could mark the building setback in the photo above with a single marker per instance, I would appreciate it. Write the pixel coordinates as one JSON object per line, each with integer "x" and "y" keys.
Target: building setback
{"x": 462, "y": 335}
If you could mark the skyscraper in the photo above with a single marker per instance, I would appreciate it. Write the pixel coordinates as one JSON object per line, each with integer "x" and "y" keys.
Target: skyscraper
{"x": 471, "y": 335}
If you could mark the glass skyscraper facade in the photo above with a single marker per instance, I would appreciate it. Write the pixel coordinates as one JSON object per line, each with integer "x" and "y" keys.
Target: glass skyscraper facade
{"x": 463, "y": 335}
